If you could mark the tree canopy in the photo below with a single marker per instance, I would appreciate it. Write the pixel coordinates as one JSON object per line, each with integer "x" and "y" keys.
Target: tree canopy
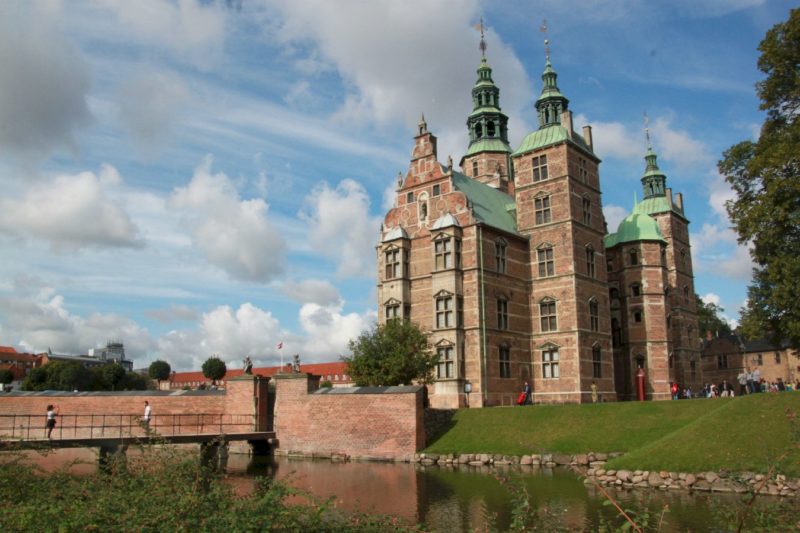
{"x": 6, "y": 376}
{"x": 72, "y": 375}
{"x": 159, "y": 370}
{"x": 709, "y": 319}
{"x": 395, "y": 353}
{"x": 214, "y": 368}
{"x": 765, "y": 175}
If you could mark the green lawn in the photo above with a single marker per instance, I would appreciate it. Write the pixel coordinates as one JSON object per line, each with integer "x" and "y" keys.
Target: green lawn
{"x": 737, "y": 434}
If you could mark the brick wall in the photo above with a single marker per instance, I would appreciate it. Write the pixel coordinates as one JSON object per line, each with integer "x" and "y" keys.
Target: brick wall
{"x": 381, "y": 422}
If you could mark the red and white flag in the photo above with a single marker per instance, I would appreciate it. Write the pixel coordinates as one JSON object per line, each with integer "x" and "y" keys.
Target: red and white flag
{"x": 280, "y": 345}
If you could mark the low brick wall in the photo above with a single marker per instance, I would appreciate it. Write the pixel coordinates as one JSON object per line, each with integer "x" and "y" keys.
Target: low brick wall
{"x": 358, "y": 422}
{"x": 83, "y": 414}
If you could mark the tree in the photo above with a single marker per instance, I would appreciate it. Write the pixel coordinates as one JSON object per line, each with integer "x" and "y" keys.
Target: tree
{"x": 6, "y": 376}
{"x": 709, "y": 319}
{"x": 395, "y": 353}
{"x": 159, "y": 370}
{"x": 765, "y": 175}
{"x": 214, "y": 368}
{"x": 109, "y": 376}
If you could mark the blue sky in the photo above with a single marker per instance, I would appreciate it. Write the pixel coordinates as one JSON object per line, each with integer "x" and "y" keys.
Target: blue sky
{"x": 201, "y": 178}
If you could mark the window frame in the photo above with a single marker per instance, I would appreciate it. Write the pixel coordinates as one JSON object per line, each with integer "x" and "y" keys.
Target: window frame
{"x": 393, "y": 266}
{"x": 550, "y": 363}
{"x": 500, "y": 255}
{"x": 597, "y": 361}
{"x": 502, "y": 314}
{"x": 548, "y": 315}
{"x": 542, "y": 210}
{"x": 594, "y": 314}
{"x": 539, "y": 168}
{"x": 444, "y": 312}
{"x": 545, "y": 259}
{"x": 504, "y": 360}
{"x": 445, "y": 368}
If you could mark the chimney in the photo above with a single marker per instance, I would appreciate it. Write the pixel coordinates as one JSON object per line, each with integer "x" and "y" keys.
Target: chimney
{"x": 587, "y": 136}
{"x": 679, "y": 201}
{"x": 566, "y": 121}
{"x": 669, "y": 196}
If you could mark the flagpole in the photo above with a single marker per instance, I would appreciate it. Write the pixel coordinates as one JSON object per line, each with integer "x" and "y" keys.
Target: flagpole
{"x": 280, "y": 349}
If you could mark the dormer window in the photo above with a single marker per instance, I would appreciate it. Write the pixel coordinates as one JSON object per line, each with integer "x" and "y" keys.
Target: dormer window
{"x": 475, "y": 169}
{"x": 634, "y": 257}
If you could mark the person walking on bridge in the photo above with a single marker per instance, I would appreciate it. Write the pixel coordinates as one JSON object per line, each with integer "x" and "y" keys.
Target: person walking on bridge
{"x": 148, "y": 411}
{"x": 52, "y": 413}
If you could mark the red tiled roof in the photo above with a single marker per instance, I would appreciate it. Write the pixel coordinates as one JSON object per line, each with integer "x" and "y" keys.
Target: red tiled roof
{"x": 319, "y": 369}
{"x": 7, "y": 349}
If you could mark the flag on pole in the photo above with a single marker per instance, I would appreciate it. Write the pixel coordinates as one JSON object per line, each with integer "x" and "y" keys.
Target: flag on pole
{"x": 280, "y": 345}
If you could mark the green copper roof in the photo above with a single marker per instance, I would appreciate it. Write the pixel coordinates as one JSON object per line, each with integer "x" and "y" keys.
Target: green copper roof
{"x": 635, "y": 227}
{"x": 488, "y": 145}
{"x": 656, "y": 204}
{"x": 550, "y": 135}
{"x": 484, "y": 109}
{"x": 489, "y": 205}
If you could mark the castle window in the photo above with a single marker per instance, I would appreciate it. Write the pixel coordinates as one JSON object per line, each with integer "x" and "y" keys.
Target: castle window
{"x": 777, "y": 358}
{"x": 459, "y": 312}
{"x": 437, "y": 190}
{"x": 547, "y": 314}
{"x": 539, "y": 165}
{"x": 490, "y": 129}
{"x": 587, "y": 211}
{"x": 502, "y": 314}
{"x": 686, "y": 294}
{"x": 583, "y": 174}
{"x": 443, "y": 251}
{"x": 392, "y": 310}
{"x": 683, "y": 258}
{"x": 407, "y": 311}
{"x": 475, "y": 169}
{"x": 636, "y": 289}
{"x": 545, "y": 260}
{"x": 444, "y": 369}
{"x": 478, "y": 130}
{"x": 759, "y": 359}
{"x": 541, "y": 207}
{"x": 722, "y": 361}
{"x": 550, "y": 364}
{"x": 637, "y": 315}
{"x": 444, "y": 312}
{"x": 663, "y": 256}
{"x": 590, "y": 261}
{"x": 500, "y": 255}
{"x": 409, "y": 197}
{"x": 594, "y": 314}
{"x": 393, "y": 263}
{"x": 634, "y": 257}
{"x": 505, "y": 362}
{"x": 597, "y": 368}
{"x": 613, "y": 293}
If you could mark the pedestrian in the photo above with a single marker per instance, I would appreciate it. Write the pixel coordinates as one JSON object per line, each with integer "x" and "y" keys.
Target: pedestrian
{"x": 527, "y": 391}
{"x": 674, "y": 389}
{"x": 52, "y": 413}
{"x": 594, "y": 392}
{"x": 742, "y": 379}
{"x": 148, "y": 411}
{"x": 725, "y": 389}
{"x": 756, "y": 380}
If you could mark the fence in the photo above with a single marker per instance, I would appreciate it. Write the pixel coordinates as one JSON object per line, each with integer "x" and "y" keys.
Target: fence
{"x": 107, "y": 426}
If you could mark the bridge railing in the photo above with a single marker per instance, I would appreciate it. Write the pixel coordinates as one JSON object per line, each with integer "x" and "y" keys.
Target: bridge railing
{"x": 105, "y": 426}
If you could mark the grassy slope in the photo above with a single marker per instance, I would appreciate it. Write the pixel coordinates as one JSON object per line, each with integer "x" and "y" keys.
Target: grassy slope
{"x": 737, "y": 434}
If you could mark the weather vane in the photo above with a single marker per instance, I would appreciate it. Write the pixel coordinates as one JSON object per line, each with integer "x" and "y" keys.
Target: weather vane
{"x": 647, "y": 128}
{"x": 543, "y": 29}
{"x": 482, "y": 44}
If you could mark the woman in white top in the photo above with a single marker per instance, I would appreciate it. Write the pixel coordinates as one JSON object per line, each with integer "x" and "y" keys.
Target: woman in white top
{"x": 52, "y": 412}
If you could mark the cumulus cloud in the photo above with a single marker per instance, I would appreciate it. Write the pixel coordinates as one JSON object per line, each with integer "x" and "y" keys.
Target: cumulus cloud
{"x": 710, "y": 298}
{"x": 312, "y": 291}
{"x": 44, "y": 83}
{"x": 41, "y": 320}
{"x": 232, "y": 233}
{"x": 369, "y": 44}
{"x": 329, "y": 331}
{"x": 341, "y": 228}
{"x": 614, "y": 215}
{"x": 149, "y": 104}
{"x": 71, "y": 212}
{"x": 190, "y": 29}
{"x": 173, "y": 313}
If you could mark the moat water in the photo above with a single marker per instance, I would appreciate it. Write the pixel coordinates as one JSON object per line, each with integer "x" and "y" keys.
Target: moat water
{"x": 450, "y": 499}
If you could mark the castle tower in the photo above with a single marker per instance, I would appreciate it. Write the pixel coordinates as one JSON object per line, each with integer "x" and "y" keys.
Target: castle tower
{"x": 558, "y": 201}
{"x": 488, "y": 156}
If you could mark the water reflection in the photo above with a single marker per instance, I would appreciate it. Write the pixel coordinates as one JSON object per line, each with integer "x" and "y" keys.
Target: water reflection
{"x": 446, "y": 499}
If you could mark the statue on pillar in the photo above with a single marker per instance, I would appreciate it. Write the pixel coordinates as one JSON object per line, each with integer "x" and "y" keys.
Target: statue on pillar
{"x": 296, "y": 363}
{"x": 247, "y": 365}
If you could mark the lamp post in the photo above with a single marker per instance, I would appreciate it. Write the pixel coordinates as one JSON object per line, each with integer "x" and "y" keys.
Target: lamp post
{"x": 467, "y": 390}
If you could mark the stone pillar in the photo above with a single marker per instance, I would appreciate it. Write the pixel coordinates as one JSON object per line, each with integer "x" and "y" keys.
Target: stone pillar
{"x": 246, "y": 404}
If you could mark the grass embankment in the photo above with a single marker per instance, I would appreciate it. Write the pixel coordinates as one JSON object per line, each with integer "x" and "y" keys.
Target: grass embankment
{"x": 738, "y": 434}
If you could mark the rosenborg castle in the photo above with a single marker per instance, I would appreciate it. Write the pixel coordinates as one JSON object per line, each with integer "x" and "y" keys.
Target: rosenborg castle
{"x": 508, "y": 263}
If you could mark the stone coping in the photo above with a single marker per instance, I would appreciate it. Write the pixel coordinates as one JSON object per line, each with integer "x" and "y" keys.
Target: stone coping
{"x": 61, "y": 393}
{"x": 403, "y": 389}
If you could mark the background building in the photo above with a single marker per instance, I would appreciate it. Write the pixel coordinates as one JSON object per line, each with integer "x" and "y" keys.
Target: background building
{"x": 509, "y": 264}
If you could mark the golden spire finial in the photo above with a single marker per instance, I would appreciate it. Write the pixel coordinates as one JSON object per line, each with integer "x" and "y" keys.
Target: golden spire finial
{"x": 481, "y": 28}
{"x": 543, "y": 29}
{"x": 647, "y": 129}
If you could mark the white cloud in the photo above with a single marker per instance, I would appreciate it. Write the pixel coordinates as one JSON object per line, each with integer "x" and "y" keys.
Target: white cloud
{"x": 329, "y": 331}
{"x": 710, "y": 298}
{"x": 149, "y": 104}
{"x": 173, "y": 313}
{"x": 232, "y": 233}
{"x": 312, "y": 291}
{"x": 190, "y": 29}
{"x": 341, "y": 228}
{"x": 614, "y": 215}
{"x": 386, "y": 79}
{"x": 678, "y": 147}
{"x": 44, "y": 82}
{"x": 613, "y": 139}
{"x": 72, "y": 212}
{"x": 40, "y": 321}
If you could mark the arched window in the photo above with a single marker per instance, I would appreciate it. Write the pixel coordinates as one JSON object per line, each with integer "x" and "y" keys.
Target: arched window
{"x": 587, "y": 209}
{"x": 594, "y": 314}
{"x": 590, "y": 270}
{"x": 500, "y": 246}
{"x": 597, "y": 367}
{"x": 490, "y": 130}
